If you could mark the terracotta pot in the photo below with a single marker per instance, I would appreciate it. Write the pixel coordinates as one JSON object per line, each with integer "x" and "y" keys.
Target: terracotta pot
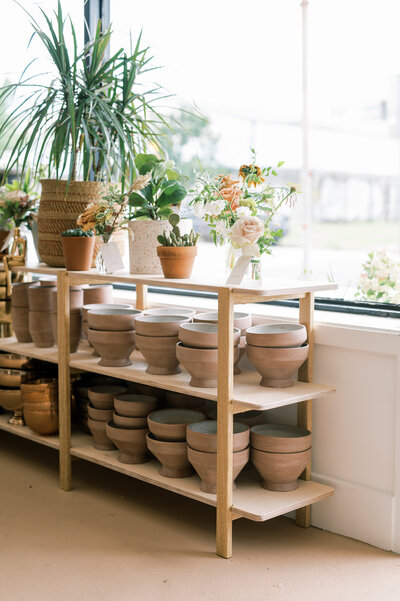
{"x": 97, "y": 306}
{"x": 160, "y": 325}
{"x": 20, "y": 323}
{"x": 99, "y": 415}
{"x": 203, "y": 335}
{"x": 170, "y": 424}
{"x": 98, "y": 293}
{"x": 112, "y": 319}
{"x": 277, "y": 335}
{"x": 280, "y": 438}
{"x": 202, "y": 436}
{"x": 134, "y": 405}
{"x": 160, "y": 353}
{"x": 277, "y": 366}
{"x": 280, "y": 471}
{"x": 183, "y": 401}
{"x": 131, "y": 443}
{"x": 41, "y": 328}
{"x": 100, "y": 435}
{"x": 78, "y": 252}
{"x": 170, "y": 311}
{"x": 11, "y": 399}
{"x": 40, "y": 298}
{"x": 19, "y": 294}
{"x": 177, "y": 261}
{"x": 202, "y": 364}
{"x": 114, "y": 348}
{"x": 172, "y": 456}
{"x": 153, "y": 391}
{"x": 75, "y": 300}
{"x": 134, "y": 423}
{"x": 102, "y": 395}
{"x": 241, "y": 320}
{"x": 75, "y": 333}
{"x": 205, "y": 465}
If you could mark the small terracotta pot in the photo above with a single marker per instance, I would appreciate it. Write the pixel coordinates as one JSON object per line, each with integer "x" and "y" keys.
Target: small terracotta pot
{"x": 178, "y": 400}
{"x": 75, "y": 330}
{"x": 134, "y": 405}
{"x": 277, "y": 335}
{"x": 19, "y": 294}
{"x": 170, "y": 424}
{"x": 97, "y": 306}
{"x": 172, "y": 456}
{"x": 160, "y": 325}
{"x": 160, "y": 353}
{"x": 202, "y": 364}
{"x": 99, "y": 293}
{"x": 280, "y": 471}
{"x": 114, "y": 348}
{"x": 203, "y": 335}
{"x": 41, "y": 328}
{"x": 202, "y": 436}
{"x": 133, "y": 423}
{"x": 277, "y": 366}
{"x": 131, "y": 443}
{"x": 112, "y": 319}
{"x": 78, "y": 252}
{"x": 20, "y": 323}
{"x": 170, "y": 311}
{"x": 280, "y": 438}
{"x": 99, "y": 415}
{"x": 102, "y": 395}
{"x": 241, "y": 320}
{"x": 205, "y": 465}
{"x": 40, "y": 298}
{"x": 177, "y": 261}
{"x": 75, "y": 300}
{"x": 99, "y": 433}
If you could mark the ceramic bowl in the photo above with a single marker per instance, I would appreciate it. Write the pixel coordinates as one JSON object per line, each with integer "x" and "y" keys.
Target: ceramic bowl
{"x": 280, "y": 438}
{"x": 101, "y": 440}
{"x": 43, "y": 421}
{"x": 205, "y": 465}
{"x": 202, "y": 364}
{"x": 169, "y": 311}
{"x": 170, "y": 424}
{"x": 97, "y": 306}
{"x": 202, "y": 436}
{"x": 280, "y": 471}
{"x": 277, "y": 335}
{"x": 133, "y": 423}
{"x": 12, "y": 378}
{"x": 178, "y": 400}
{"x": 131, "y": 443}
{"x": 160, "y": 354}
{"x": 98, "y": 293}
{"x": 241, "y": 320}
{"x": 102, "y": 395}
{"x": 160, "y": 325}
{"x": 112, "y": 319}
{"x": 99, "y": 415}
{"x": 134, "y": 405}
{"x": 10, "y": 361}
{"x": 203, "y": 335}
{"x": 277, "y": 366}
{"x": 172, "y": 456}
{"x": 114, "y": 348}
{"x": 11, "y": 399}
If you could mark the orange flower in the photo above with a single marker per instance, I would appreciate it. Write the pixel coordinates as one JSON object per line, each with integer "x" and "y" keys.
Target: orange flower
{"x": 254, "y": 172}
{"x": 229, "y": 190}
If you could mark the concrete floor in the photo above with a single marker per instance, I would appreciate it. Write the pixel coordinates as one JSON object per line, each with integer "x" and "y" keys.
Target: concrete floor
{"x": 116, "y": 539}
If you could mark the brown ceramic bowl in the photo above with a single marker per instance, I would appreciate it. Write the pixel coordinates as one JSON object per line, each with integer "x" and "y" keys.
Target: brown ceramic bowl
{"x": 99, "y": 415}
{"x": 99, "y": 433}
{"x": 112, "y": 319}
{"x": 114, "y": 348}
{"x": 170, "y": 424}
{"x": 170, "y": 311}
{"x": 202, "y": 364}
{"x": 160, "y": 353}
{"x": 241, "y": 320}
{"x": 131, "y": 443}
{"x": 205, "y": 465}
{"x": 133, "y": 423}
{"x": 19, "y": 294}
{"x": 134, "y": 405}
{"x": 277, "y": 335}
{"x": 75, "y": 300}
{"x": 40, "y": 298}
{"x": 97, "y": 306}
{"x": 160, "y": 325}
{"x": 98, "y": 293}
{"x": 20, "y": 323}
{"x": 41, "y": 327}
{"x": 202, "y": 436}
{"x": 280, "y": 471}
{"x": 171, "y": 455}
{"x": 280, "y": 438}
{"x": 277, "y": 366}
{"x": 178, "y": 400}
{"x": 10, "y": 399}
{"x": 102, "y": 395}
{"x": 203, "y": 335}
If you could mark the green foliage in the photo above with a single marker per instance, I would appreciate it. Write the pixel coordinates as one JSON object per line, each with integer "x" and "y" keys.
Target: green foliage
{"x": 175, "y": 238}
{"x": 77, "y": 233}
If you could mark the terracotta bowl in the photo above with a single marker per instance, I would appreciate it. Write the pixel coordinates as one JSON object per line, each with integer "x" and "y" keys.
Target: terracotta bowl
{"x": 203, "y": 335}
{"x": 20, "y": 323}
{"x": 41, "y": 327}
{"x": 170, "y": 424}
{"x": 99, "y": 433}
{"x": 19, "y": 294}
{"x": 99, "y": 415}
{"x": 277, "y": 335}
{"x": 97, "y": 306}
{"x": 202, "y": 364}
{"x": 205, "y": 465}
{"x": 40, "y": 298}
{"x": 241, "y": 320}
{"x": 277, "y": 366}
{"x": 147, "y": 390}
{"x": 99, "y": 293}
{"x": 178, "y": 400}
{"x": 202, "y": 436}
{"x": 133, "y": 423}
{"x": 160, "y": 353}
{"x": 171, "y": 455}
{"x": 160, "y": 325}
{"x": 280, "y": 438}
{"x": 280, "y": 471}
{"x": 112, "y": 319}
{"x": 102, "y": 395}
{"x": 134, "y": 405}
{"x": 75, "y": 300}
{"x": 170, "y": 311}
{"x": 131, "y": 443}
{"x": 10, "y": 399}
{"x": 114, "y": 348}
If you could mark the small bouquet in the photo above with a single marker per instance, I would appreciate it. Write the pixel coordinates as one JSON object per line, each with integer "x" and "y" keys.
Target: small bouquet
{"x": 18, "y": 203}
{"x": 380, "y": 279}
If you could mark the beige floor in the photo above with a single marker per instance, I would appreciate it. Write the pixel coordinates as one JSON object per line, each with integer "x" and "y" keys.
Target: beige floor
{"x": 115, "y": 539}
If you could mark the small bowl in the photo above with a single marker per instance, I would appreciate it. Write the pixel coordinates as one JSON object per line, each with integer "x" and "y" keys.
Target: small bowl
{"x": 170, "y": 424}
{"x": 114, "y": 348}
{"x": 159, "y": 325}
{"x": 205, "y": 465}
{"x": 202, "y": 436}
{"x": 134, "y": 423}
{"x": 11, "y": 399}
{"x": 203, "y": 335}
{"x": 97, "y": 306}
{"x": 202, "y": 364}
{"x": 277, "y": 335}
{"x": 102, "y": 395}
{"x": 280, "y": 471}
{"x": 280, "y": 438}
{"x": 112, "y": 319}
{"x": 131, "y": 442}
{"x": 13, "y": 378}
{"x": 13, "y": 361}
{"x": 169, "y": 311}
{"x": 160, "y": 353}
{"x": 241, "y": 320}
{"x": 134, "y": 405}
{"x": 171, "y": 455}
{"x": 99, "y": 415}
{"x": 277, "y": 366}
{"x": 98, "y": 431}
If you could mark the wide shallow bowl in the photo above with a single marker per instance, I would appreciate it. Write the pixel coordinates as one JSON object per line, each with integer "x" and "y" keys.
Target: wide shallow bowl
{"x": 277, "y": 366}
{"x": 13, "y": 361}
{"x": 241, "y": 320}
{"x": 134, "y": 405}
{"x": 160, "y": 325}
{"x": 203, "y": 335}
{"x": 160, "y": 353}
{"x": 202, "y": 436}
{"x": 114, "y": 348}
{"x": 170, "y": 311}
{"x": 131, "y": 442}
{"x": 99, "y": 433}
{"x": 112, "y": 319}
{"x": 178, "y": 400}
{"x": 102, "y": 395}
{"x": 20, "y": 323}
{"x": 99, "y": 415}
{"x": 172, "y": 456}
{"x": 10, "y": 399}
{"x": 202, "y": 364}
{"x": 97, "y": 293}
{"x": 97, "y": 306}
{"x": 280, "y": 471}
{"x": 205, "y": 465}
{"x": 170, "y": 424}
{"x": 41, "y": 327}
{"x": 280, "y": 438}
{"x": 124, "y": 421}
{"x": 277, "y": 335}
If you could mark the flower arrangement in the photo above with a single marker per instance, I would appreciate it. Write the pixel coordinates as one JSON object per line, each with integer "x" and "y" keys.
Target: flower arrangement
{"x": 18, "y": 203}
{"x": 241, "y": 210}
{"x": 380, "y": 279}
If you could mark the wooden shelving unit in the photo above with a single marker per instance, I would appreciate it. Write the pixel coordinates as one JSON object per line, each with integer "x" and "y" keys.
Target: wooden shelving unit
{"x": 234, "y": 395}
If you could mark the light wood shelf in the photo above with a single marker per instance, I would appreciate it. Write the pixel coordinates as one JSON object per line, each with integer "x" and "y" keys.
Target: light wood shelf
{"x": 52, "y": 441}
{"x": 28, "y": 349}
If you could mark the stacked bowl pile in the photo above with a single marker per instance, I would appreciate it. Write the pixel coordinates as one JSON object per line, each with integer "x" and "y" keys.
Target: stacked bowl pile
{"x": 112, "y": 333}
{"x": 202, "y": 451}
{"x": 167, "y": 439}
{"x": 94, "y": 295}
{"x": 75, "y": 316}
{"x": 128, "y": 426}
{"x": 277, "y": 351}
{"x": 95, "y": 306}
{"x": 100, "y": 410}
{"x": 40, "y": 300}
{"x": 40, "y": 405}
{"x": 80, "y": 392}
{"x": 14, "y": 369}
{"x": 20, "y": 311}
{"x": 280, "y": 453}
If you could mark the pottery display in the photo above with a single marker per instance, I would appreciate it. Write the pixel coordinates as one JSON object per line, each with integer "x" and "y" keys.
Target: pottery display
{"x": 170, "y": 424}
{"x": 99, "y": 415}
{"x": 205, "y": 465}
{"x": 241, "y": 320}
{"x": 97, "y": 293}
{"x": 40, "y": 298}
{"x": 277, "y": 366}
{"x": 96, "y": 306}
{"x": 203, "y": 335}
{"x": 280, "y": 471}
{"x": 202, "y": 436}
{"x": 170, "y": 311}
{"x": 41, "y": 327}
{"x": 277, "y": 335}
{"x": 134, "y": 405}
{"x": 179, "y": 400}
{"x": 124, "y": 421}
{"x": 75, "y": 330}
{"x": 171, "y": 455}
{"x": 102, "y": 395}
{"x": 280, "y": 438}
{"x": 202, "y": 364}
{"x": 100, "y": 435}
{"x": 113, "y": 347}
{"x": 160, "y": 353}
{"x": 160, "y": 325}
{"x": 131, "y": 442}
{"x": 112, "y": 319}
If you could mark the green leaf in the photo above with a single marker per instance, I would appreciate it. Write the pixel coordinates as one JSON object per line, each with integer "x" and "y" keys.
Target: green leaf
{"x": 172, "y": 194}
{"x": 145, "y": 162}
{"x": 281, "y": 163}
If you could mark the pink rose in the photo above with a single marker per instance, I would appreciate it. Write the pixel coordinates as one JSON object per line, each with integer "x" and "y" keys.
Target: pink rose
{"x": 246, "y": 231}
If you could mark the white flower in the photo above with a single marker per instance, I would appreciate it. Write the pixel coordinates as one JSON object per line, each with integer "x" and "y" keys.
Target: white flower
{"x": 243, "y": 211}
{"x": 214, "y": 207}
{"x": 222, "y": 229}
{"x": 198, "y": 209}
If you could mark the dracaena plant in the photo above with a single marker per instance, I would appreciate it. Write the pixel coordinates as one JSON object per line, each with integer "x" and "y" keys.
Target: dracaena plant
{"x": 92, "y": 118}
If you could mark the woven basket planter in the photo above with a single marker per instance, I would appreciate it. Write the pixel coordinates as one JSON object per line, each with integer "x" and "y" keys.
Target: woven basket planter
{"x": 40, "y": 405}
{"x": 60, "y": 206}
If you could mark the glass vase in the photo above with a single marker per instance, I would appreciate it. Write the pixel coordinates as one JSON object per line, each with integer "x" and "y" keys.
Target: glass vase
{"x": 100, "y": 263}
{"x": 253, "y": 275}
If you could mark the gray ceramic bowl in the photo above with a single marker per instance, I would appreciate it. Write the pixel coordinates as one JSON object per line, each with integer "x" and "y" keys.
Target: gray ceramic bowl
{"x": 202, "y": 436}
{"x": 159, "y": 325}
{"x": 277, "y": 335}
{"x": 170, "y": 311}
{"x": 170, "y": 424}
{"x": 241, "y": 319}
{"x": 203, "y": 335}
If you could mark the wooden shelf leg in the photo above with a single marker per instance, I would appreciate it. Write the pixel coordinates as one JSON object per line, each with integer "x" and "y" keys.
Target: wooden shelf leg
{"x": 64, "y": 382}
{"x": 141, "y": 297}
{"x": 304, "y": 409}
{"x": 225, "y": 423}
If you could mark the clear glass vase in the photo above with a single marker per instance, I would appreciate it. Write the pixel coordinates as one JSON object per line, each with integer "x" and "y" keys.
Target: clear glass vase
{"x": 253, "y": 275}
{"x": 100, "y": 263}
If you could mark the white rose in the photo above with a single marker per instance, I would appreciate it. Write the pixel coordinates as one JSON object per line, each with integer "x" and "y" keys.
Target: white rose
{"x": 221, "y": 228}
{"x": 246, "y": 231}
{"x": 243, "y": 212}
{"x": 214, "y": 207}
{"x": 198, "y": 209}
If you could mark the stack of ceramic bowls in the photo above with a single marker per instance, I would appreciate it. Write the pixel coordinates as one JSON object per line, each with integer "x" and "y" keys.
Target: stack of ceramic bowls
{"x": 167, "y": 439}
{"x": 198, "y": 352}
{"x": 156, "y": 338}
{"x": 20, "y": 311}
{"x": 202, "y": 451}
{"x": 14, "y": 369}
{"x": 128, "y": 426}
{"x": 280, "y": 453}
{"x": 75, "y": 316}
{"x": 100, "y": 410}
{"x": 40, "y": 300}
{"x": 80, "y": 390}
{"x": 277, "y": 351}
{"x": 87, "y": 308}
{"x": 112, "y": 333}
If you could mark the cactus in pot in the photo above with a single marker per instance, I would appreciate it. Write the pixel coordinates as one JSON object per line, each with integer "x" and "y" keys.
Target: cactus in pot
{"x": 177, "y": 251}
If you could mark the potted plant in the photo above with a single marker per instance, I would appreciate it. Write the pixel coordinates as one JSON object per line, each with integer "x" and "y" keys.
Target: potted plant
{"x": 87, "y": 123}
{"x": 78, "y": 247}
{"x": 177, "y": 251}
